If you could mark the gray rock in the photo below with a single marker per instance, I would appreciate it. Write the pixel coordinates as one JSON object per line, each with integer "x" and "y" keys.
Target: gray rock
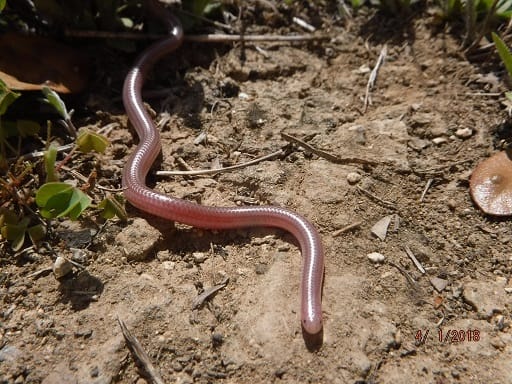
{"x": 438, "y": 283}
{"x": 487, "y": 297}
{"x": 138, "y": 239}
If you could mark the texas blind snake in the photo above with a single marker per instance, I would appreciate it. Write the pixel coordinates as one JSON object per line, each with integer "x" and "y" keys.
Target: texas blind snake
{"x": 196, "y": 215}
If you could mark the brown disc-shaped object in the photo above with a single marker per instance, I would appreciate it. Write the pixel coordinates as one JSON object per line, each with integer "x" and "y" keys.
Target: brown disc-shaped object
{"x": 491, "y": 184}
{"x": 28, "y": 63}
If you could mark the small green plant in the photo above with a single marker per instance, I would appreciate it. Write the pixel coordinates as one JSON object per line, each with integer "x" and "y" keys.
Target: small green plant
{"x": 12, "y": 129}
{"x": 504, "y": 53}
{"x": 390, "y": 7}
{"x": 55, "y": 198}
{"x": 506, "y": 58}
{"x": 113, "y": 206}
{"x": 15, "y": 229}
{"x": 59, "y": 199}
{"x": 480, "y": 16}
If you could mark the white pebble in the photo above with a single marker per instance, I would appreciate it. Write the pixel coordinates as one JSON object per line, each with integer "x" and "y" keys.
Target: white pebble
{"x": 376, "y": 257}
{"x": 244, "y": 96}
{"x": 464, "y": 133}
{"x": 353, "y": 178}
{"x": 439, "y": 140}
{"x": 61, "y": 267}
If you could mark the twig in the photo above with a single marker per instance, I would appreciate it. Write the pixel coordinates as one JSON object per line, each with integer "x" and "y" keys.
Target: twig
{"x": 441, "y": 167}
{"x": 183, "y": 163}
{"x": 414, "y": 259}
{"x": 208, "y": 38}
{"x": 223, "y": 38}
{"x": 327, "y": 155}
{"x": 409, "y": 278}
{"x": 81, "y": 177}
{"x": 207, "y": 20}
{"x": 485, "y": 94}
{"x": 385, "y": 203}
{"x": 272, "y": 155}
{"x": 300, "y": 22}
{"x": 441, "y": 321}
{"x": 139, "y": 352}
{"x": 209, "y": 292}
{"x": 347, "y": 228}
{"x": 33, "y": 155}
{"x": 40, "y": 272}
{"x": 425, "y": 190}
{"x": 373, "y": 76}
{"x": 344, "y": 9}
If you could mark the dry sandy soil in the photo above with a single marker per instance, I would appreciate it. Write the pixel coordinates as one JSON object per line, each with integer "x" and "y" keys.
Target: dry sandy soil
{"x": 433, "y": 117}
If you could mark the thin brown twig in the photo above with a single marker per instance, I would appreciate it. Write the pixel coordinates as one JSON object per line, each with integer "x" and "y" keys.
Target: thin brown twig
{"x": 441, "y": 167}
{"x": 139, "y": 352}
{"x": 209, "y": 292}
{"x": 197, "y": 172}
{"x": 414, "y": 259}
{"x": 387, "y": 204}
{"x": 81, "y": 177}
{"x": 425, "y": 190}
{"x": 408, "y": 277}
{"x": 327, "y": 155}
{"x": 347, "y": 228}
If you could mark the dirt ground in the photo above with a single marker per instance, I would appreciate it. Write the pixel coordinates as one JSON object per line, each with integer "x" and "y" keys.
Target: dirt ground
{"x": 432, "y": 118}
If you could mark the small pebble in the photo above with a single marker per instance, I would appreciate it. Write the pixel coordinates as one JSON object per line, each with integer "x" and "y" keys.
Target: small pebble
{"x": 217, "y": 339}
{"x": 438, "y": 284}
{"x": 452, "y": 204}
{"x": 439, "y": 140}
{"x": 199, "y": 257}
{"x": 353, "y": 178}
{"x": 261, "y": 268}
{"x": 61, "y": 267}
{"x": 464, "y": 133}
{"x": 168, "y": 265}
{"x": 244, "y": 96}
{"x": 376, "y": 257}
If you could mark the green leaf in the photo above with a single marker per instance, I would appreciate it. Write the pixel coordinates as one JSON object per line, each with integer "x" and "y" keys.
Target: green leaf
{"x": 22, "y": 128}
{"x": 53, "y": 98}
{"x": 211, "y": 7}
{"x": 127, "y": 22}
{"x": 504, "y": 8}
{"x": 36, "y": 233}
{"x": 112, "y": 207}
{"x": 7, "y": 97}
{"x": 15, "y": 233}
{"x": 7, "y": 217}
{"x": 61, "y": 199}
{"x": 2, "y": 4}
{"x": 504, "y": 53}
{"x": 50, "y": 156}
{"x": 89, "y": 141}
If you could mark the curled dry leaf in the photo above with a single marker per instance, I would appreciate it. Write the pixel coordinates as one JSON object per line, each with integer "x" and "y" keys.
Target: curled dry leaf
{"x": 491, "y": 185}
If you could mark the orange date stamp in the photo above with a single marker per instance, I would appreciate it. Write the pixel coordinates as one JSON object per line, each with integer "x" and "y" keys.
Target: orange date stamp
{"x": 448, "y": 336}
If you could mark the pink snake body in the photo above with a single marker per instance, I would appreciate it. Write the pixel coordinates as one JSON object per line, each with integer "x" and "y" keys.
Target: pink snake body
{"x": 196, "y": 215}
